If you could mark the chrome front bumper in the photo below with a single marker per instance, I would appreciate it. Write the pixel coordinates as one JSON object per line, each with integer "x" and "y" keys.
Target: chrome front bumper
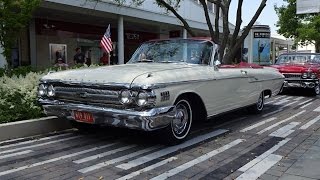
{"x": 300, "y": 83}
{"x": 147, "y": 120}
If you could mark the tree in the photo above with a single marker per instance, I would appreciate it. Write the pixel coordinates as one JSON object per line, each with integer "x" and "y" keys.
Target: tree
{"x": 229, "y": 44}
{"x": 304, "y": 28}
{"x": 14, "y": 16}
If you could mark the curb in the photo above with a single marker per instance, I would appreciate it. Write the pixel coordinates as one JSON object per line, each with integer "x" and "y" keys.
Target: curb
{"x": 32, "y": 127}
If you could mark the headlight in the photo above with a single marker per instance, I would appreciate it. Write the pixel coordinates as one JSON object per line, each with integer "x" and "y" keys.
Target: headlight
{"x": 304, "y": 75}
{"x": 42, "y": 90}
{"x": 125, "y": 97}
{"x": 51, "y": 91}
{"x": 142, "y": 99}
{"x": 313, "y": 75}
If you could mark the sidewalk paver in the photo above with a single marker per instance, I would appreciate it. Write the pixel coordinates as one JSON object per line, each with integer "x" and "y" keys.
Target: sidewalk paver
{"x": 293, "y": 177}
{"x": 307, "y": 166}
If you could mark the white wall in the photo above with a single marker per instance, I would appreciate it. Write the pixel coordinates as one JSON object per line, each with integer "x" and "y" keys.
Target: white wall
{"x": 307, "y": 48}
{"x": 3, "y": 61}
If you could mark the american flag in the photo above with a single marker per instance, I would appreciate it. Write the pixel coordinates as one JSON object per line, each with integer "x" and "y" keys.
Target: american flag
{"x": 106, "y": 42}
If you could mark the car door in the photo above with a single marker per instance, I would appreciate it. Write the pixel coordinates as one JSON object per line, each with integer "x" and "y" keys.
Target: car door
{"x": 252, "y": 85}
{"x": 230, "y": 90}
{"x": 227, "y": 84}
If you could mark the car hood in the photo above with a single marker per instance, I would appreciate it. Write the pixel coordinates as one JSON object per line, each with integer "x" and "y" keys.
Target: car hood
{"x": 117, "y": 74}
{"x": 296, "y": 68}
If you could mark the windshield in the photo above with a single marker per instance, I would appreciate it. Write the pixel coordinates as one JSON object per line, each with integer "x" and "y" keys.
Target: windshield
{"x": 174, "y": 51}
{"x": 299, "y": 58}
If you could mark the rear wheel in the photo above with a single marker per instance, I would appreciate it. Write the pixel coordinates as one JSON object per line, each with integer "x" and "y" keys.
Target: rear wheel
{"x": 180, "y": 126}
{"x": 258, "y": 107}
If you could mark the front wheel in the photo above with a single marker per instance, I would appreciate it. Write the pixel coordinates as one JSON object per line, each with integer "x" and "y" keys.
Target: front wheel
{"x": 258, "y": 107}
{"x": 316, "y": 90}
{"x": 180, "y": 126}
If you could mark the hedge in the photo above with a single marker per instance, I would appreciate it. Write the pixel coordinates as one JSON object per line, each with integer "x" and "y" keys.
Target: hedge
{"x": 18, "y": 97}
{"x": 18, "y": 93}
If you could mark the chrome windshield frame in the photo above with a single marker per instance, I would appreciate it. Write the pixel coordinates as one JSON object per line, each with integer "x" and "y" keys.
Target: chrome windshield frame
{"x": 213, "y": 50}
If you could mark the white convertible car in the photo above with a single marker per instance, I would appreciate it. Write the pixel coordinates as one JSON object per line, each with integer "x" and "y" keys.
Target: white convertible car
{"x": 166, "y": 86}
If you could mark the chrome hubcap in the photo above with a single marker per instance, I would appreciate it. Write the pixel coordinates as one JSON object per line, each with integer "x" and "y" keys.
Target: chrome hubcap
{"x": 317, "y": 89}
{"x": 260, "y": 102}
{"x": 180, "y": 121}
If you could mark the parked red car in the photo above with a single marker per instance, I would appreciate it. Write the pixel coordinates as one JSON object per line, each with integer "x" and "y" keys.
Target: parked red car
{"x": 301, "y": 70}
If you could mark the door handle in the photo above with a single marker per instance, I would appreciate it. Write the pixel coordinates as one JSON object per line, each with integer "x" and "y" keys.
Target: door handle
{"x": 244, "y": 72}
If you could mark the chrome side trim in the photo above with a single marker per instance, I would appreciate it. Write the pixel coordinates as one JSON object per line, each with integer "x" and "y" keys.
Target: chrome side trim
{"x": 162, "y": 85}
{"x": 265, "y": 80}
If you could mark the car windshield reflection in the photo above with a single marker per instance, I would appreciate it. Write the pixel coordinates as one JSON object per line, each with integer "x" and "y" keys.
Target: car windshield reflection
{"x": 174, "y": 51}
{"x": 299, "y": 58}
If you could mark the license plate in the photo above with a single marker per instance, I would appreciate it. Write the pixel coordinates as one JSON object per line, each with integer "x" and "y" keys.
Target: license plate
{"x": 83, "y": 116}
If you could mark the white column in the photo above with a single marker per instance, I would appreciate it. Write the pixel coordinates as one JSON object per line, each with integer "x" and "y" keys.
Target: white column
{"x": 185, "y": 34}
{"x": 120, "y": 41}
{"x": 32, "y": 41}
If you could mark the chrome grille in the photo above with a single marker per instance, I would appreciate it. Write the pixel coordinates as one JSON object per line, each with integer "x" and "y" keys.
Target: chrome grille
{"x": 87, "y": 95}
{"x": 292, "y": 76}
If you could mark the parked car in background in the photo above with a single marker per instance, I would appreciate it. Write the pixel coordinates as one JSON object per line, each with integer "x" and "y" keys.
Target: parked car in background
{"x": 166, "y": 86}
{"x": 301, "y": 70}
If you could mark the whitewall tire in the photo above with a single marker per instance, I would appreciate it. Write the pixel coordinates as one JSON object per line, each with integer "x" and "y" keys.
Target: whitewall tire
{"x": 180, "y": 126}
{"x": 258, "y": 106}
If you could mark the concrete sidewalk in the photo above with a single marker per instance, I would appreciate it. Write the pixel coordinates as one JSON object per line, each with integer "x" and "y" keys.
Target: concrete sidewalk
{"x": 307, "y": 166}
{"x": 302, "y": 159}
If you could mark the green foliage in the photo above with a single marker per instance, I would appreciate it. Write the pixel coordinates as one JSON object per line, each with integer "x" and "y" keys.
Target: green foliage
{"x": 2, "y": 72}
{"x": 18, "y": 97}
{"x": 19, "y": 71}
{"x": 18, "y": 92}
{"x": 304, "y": 28}
{"x": 310, "y": 31}
{"x": 14, "y": 16}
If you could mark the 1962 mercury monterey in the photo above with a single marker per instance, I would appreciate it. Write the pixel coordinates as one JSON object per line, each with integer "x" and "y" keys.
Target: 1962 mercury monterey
{"x": 166, "y": 86}
{"x": 301, "y": 70}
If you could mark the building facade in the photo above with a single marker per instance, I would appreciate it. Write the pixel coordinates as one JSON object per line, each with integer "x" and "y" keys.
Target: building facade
{"x": 58, "y": 27}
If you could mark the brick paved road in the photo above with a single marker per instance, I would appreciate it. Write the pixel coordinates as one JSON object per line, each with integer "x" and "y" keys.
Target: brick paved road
{"x": 232, "y": 146}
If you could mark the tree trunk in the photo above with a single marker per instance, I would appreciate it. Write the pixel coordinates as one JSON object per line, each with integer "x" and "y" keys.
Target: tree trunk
{"x": 183, "y": 21}
{"x": 238, "y": 24}
{"x": 233, "y": 48}
{"x": 216, "y": 24}
{"x": 206, "y": 13}
{"x": 225, "y": 35}
{"x": 317, "y": 46}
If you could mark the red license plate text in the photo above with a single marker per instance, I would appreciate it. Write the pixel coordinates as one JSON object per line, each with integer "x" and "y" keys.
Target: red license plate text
{"x": 83, "y": 116}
